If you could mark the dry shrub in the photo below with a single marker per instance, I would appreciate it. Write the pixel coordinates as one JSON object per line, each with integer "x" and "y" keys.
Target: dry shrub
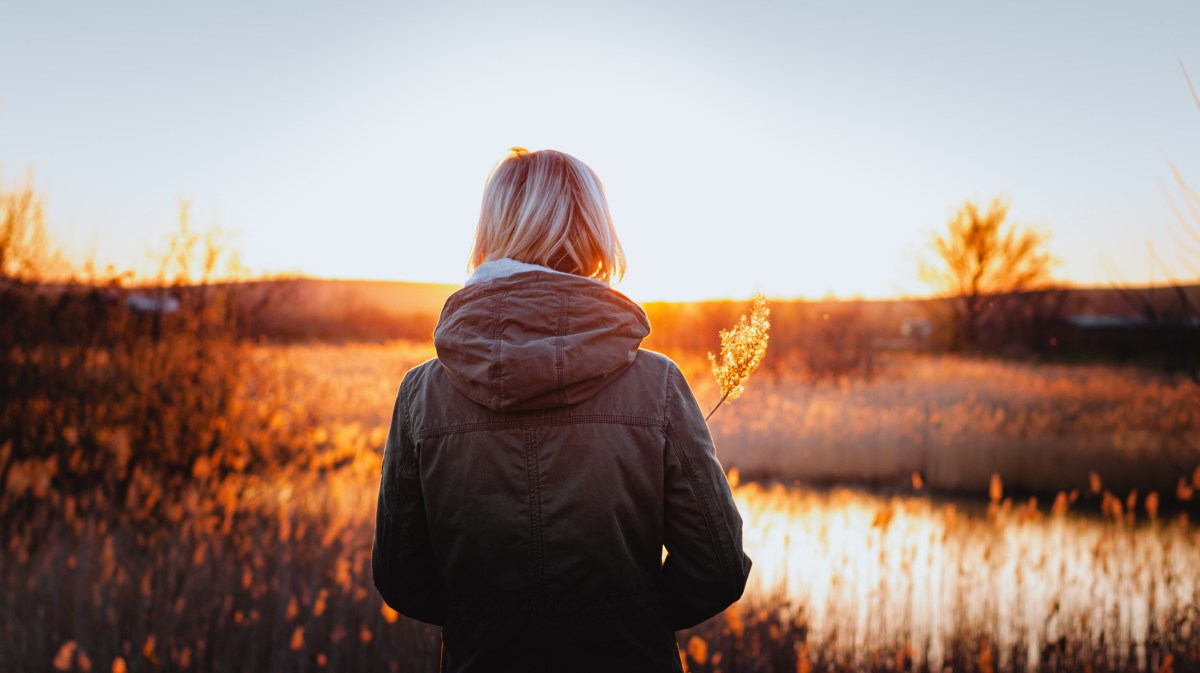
{"x": 220, "y": 569}
{"x": 104, "y": 384}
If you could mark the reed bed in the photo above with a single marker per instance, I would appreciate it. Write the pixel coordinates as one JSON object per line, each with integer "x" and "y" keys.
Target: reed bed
{"x": 268, "y": 568}
{"x": 956, "y": 421}
{"x": 928, "y": 585}
{"x": 273, "y": 574}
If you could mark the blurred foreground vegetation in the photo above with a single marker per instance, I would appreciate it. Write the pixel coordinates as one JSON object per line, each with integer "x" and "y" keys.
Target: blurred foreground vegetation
{"x": 265, "y": 565}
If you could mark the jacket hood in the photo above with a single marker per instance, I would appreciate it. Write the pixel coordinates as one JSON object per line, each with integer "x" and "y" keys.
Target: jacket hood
{"x": 537, "y": 339}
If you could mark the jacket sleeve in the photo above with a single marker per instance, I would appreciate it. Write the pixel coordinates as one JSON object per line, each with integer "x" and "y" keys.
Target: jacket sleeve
{"x": 706, "y": 569}
{"x": 402, "y": 559}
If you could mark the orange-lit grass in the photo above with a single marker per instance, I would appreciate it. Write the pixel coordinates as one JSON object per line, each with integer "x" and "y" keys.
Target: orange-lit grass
{"x": 956, "y": 421}
{"x": 259, "y": 571}
{"x": 270, "y": 570}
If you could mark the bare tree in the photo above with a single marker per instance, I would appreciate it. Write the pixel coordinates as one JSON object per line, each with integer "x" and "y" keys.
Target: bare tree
{"x": 979, "y": 258}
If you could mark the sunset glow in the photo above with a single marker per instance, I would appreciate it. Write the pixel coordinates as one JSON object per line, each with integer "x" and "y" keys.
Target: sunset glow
{"x": 787, "y": 149}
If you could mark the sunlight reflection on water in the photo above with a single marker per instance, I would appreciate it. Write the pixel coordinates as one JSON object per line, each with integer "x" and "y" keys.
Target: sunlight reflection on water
{"x": 868, "y": 573}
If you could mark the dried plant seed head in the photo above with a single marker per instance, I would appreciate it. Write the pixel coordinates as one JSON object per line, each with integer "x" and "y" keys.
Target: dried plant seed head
{"x": 743, "y": 348}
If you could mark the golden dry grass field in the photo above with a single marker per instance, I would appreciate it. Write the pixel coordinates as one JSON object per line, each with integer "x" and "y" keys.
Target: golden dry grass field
{"x": 956, "y": 421}
{"x": 269, "y": 568}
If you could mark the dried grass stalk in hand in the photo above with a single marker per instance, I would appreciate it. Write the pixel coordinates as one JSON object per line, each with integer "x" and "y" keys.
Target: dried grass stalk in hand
{"x": 742, "y": 350}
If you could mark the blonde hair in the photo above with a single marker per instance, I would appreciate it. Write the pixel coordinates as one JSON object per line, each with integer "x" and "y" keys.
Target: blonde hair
{"x": 548, "y": 208}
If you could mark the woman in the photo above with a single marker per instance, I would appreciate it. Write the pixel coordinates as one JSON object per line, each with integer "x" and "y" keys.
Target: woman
{"x": 535, "y": 470}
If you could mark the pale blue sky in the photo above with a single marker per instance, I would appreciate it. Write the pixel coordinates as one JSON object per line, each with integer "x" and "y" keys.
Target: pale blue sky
{"x": 793, "y": 148}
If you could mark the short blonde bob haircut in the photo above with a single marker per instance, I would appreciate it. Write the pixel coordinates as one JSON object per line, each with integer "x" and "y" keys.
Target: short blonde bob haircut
{"x": 548, "y": 208}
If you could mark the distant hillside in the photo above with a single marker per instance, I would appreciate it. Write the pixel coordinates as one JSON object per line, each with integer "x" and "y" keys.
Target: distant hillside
{"x": 314, "y": 308}
{"x": 1157, "y": 326}
{"x": 311, "y": 308}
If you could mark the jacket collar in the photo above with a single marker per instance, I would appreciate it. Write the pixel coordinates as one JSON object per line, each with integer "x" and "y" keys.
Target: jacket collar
{"x": 504, "y": 267}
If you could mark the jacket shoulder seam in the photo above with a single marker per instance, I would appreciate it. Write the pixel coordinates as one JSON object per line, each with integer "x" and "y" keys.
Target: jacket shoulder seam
{"x": 405, "y": 400}
{"x": 668, "y": 398}
{"x": 701, "y": 497}
{"x": 695, "y": 484}
{"x": 408, "y": 461}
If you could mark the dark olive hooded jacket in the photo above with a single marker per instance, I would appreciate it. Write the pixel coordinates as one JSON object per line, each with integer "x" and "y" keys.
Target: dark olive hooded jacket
{"x": 532, "y": 475}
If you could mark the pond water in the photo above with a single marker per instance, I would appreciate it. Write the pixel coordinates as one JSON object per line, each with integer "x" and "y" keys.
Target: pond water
{"x": 867, "y": 573}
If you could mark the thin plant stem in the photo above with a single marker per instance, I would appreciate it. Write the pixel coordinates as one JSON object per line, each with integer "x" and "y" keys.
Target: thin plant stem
{"x": 714, "y": 409}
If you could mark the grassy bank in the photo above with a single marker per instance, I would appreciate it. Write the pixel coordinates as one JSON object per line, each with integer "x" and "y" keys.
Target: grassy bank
{"x": 955, "y": 422}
